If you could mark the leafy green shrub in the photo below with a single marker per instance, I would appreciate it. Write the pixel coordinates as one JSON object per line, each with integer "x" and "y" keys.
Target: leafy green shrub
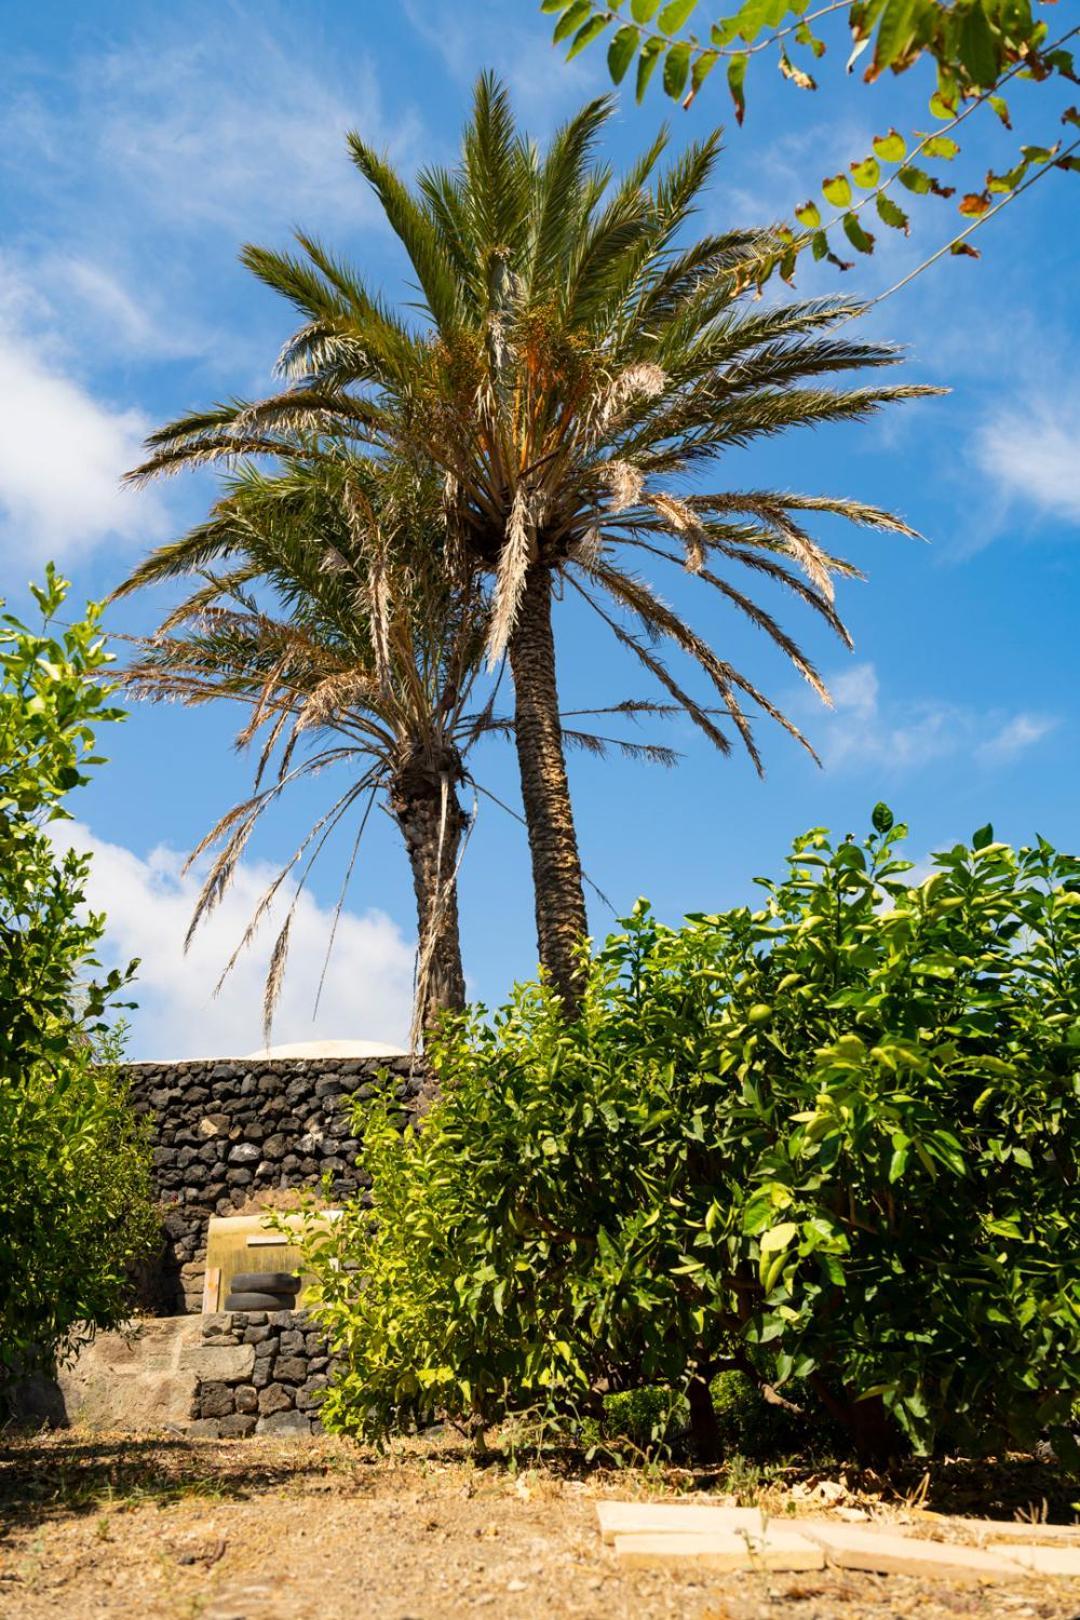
{"x": 75, "y": 1205}
{"x": 649, "y": 1416}
{"x": 832, "y": 1140}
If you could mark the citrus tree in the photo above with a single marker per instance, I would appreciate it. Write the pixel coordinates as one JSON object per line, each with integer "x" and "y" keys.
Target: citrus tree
{"x": 830, "y": 1143}
{"x": 75, "y": 1205}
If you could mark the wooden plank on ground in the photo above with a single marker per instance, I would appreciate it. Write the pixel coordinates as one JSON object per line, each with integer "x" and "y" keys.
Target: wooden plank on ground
{"x": 667, "y": 1518}
{"x": 1044, "y": 1560}
{"x": 983, "y": 1530}
{"x": 719, "y": 1550}
{"x": 853, "y": 1547}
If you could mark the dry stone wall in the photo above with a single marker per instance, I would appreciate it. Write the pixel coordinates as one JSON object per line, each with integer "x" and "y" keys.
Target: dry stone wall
{"x": 259, "y": 1373}
{"x": 238, "y": 1135}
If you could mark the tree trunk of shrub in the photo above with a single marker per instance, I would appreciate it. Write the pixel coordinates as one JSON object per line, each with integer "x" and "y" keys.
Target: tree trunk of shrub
{"x": 704, "y": 1431}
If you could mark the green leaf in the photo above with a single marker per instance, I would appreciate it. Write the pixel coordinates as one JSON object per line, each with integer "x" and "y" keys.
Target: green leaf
{"x": 736, "y": 78}
{"x": 890, "y": 148}
{"x": 881, "y": 817}
{"x": 552, "y": 6}
{"x": 894, "y": 32}
{"x": 809, "y": 215}
{"x": 574, "y": 16}
{"x": 805, "y": 36}
{"x": 571, "y": 20}
{"x": 675, "y": 14}
{"x": 867, "y": 173}
{"x": 585, "y": 36}
{"x": 621, "y": 52}
{"x": 676, "y": 69}
{"x": 704, "y": 63}
{"x": 914, "y": 179}
{"x": 984, "y": 836}
{"x": 779, "y": 1237}
{"x": 976, "y": 47}
{"x": 892, "y": 214}
{"x": 837, "y": 190}
{"x": 941, "y": 146}
{"x": 943, "y": 105}
{"x": 1001, "y": 107}
{"x": 856, "y": 235}
{"x": 651, "y": 52}
{"x": 644, "y": 11}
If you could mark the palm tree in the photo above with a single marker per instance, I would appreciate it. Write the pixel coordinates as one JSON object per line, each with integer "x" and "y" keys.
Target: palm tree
{"x": 570, "y": 367}
{"x": 366, "y": 654}
{"x": 368, "y": 650}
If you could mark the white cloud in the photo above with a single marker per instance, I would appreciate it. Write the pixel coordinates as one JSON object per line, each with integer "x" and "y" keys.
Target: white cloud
{"x": 1015, "y": 735}
{"x": 867, "y": 729}
{"x": 1033, "y": 454}
{"x": 148, "y": 902}
{"x": 63, "y": 452}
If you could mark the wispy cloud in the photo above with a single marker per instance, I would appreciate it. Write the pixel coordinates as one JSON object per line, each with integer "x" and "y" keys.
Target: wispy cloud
{"x": 544, "y": 87}
{"x": 1017, "y": 734}
{"x": 1032, "y": 454}
{"x": 195, "y": 131}
{"x": 148, "y": 902}
{"x": 901, "y": 735}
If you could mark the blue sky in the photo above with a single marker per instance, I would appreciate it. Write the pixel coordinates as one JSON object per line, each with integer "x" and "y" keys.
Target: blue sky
{"x": 141, "y": 145}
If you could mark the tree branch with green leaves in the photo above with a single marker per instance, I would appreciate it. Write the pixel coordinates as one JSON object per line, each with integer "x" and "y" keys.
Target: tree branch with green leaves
{"x": 979, "y": 48}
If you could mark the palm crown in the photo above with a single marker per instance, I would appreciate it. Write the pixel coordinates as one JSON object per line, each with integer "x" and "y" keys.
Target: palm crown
{"x": 573, "y": 367}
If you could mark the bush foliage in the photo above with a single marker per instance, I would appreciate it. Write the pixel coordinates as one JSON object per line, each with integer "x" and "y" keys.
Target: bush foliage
{"x": 829, "y": 1143}
{"x": 75, "y": 1207}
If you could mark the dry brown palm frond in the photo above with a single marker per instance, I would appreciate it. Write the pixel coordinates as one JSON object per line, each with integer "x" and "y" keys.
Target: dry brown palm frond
{"x": 587, "y": 551}
{"x": 510, "y": 579}
{"x": 635, "y": 594}
{"x": 591, "y": 743}
{"x": 686, "y": 524}
{"x": 642, "y": 380}
{"x": 759, "y": 617}
{"x": 325, "y": 825}
{"x": 702, "y": 717}
{"x": 625, "y": 483}
{"x": 274, "y": 976}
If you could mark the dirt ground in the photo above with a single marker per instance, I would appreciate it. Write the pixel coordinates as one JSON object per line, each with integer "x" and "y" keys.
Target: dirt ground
{"x": 170, "y": 1529}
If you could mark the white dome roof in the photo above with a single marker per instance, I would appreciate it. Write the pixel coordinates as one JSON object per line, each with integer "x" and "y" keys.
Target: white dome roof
{"x": 330, "y": 1049}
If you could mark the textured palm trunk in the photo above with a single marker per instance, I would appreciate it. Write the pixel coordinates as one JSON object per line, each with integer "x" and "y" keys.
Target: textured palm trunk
{"x": 432, "y": 823}
{"x": 561, "y": 923}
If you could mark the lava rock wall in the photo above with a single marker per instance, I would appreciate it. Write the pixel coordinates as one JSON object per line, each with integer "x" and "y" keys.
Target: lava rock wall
{"x": 259, "y": 1373}
{"x": 240, "y": 1135}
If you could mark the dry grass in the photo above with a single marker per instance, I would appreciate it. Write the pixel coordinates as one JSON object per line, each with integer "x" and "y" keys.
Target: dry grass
{"x": 100, "y": 1526}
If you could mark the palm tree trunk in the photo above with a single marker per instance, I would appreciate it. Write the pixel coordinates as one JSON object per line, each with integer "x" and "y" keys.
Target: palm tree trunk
{"x": 561, "y": 923}
{"x": 432, "y": 823}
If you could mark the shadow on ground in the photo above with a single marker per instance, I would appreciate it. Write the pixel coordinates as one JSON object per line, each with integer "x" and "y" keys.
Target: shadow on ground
{"x": 54, "y": 1475}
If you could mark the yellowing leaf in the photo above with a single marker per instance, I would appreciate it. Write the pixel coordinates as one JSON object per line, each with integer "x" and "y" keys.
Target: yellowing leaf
{"x": 779, "y": 1237}
{"x": 890, "y": 148}
{"x": 837, "y": 190}
{"x": 867, "y": 173}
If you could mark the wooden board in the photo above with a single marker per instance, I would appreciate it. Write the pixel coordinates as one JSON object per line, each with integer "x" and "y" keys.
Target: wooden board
{"x": 719, "y": 1550}
{"x": 667, "y": 1518}
{"x": 211, "y": 1299}
{"x": 853, "y": 1547}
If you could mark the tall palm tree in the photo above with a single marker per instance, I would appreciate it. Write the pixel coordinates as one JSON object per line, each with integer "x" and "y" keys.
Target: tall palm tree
{"x": 326, "y": 608}
{"x": 571, "y": 365}
{"x": 365, "y": 657}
